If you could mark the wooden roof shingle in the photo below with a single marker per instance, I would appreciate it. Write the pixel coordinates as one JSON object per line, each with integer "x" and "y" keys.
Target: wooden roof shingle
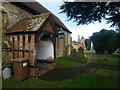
{"x": 30, "y": 23}
{"x": 36, "y": 8}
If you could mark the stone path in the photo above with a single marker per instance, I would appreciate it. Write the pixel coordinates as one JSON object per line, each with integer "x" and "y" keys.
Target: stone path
{"x": 61, "y": 74}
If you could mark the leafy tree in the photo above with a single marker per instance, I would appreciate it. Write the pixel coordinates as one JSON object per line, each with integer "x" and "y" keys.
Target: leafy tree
{"x": 88, "y": 44}
{"x": 118, "y": 40}
{"x": 74, "y": 41}
{"x": 104, "y": 40}
{"x": 78, "y": 38}
{"x": 89, "y": 12}
{"x": 82, "y": 37}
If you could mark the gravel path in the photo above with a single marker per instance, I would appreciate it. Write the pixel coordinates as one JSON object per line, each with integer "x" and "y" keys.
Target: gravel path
{"x": 61, "y": 74}
{"x": 66, "y": 73}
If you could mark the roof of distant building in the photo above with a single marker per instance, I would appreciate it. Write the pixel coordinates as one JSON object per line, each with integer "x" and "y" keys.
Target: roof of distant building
{"x": 82, "y": 41}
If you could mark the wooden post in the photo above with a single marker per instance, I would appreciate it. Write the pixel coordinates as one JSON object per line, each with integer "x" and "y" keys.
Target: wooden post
{"x": 32, "y": 56}
{"x": 15, "y": 54}
{"x": 26, "y": 55}
{"x": 15, "y": 42}
{"x": 26, "y": 47}
{"x": 32, "y": 42}
{"x": 26, "y": 42}
{"x": 20, "y": 54}
{"x": 11, "y": 44}
{"x": 21, "y": 42}
{"x": 20, "y": 46}
{"x": 31, "y": 60}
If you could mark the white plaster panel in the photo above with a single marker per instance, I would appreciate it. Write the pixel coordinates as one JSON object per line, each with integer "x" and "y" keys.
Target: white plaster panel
{"x": 45, "y": 49}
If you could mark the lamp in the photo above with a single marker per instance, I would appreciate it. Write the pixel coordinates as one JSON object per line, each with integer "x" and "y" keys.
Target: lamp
{"x": 61, "y": 34}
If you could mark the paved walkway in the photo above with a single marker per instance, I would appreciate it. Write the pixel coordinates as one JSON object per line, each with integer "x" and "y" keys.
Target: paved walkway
{"x": 61, "y": 74}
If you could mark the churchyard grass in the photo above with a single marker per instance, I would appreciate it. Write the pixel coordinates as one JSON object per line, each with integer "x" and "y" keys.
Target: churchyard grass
{"x": 102, "y": 78}
{"x": 89, "y": 81}
{"x": 65, "y": 62}
{"x": 112, "y": 59}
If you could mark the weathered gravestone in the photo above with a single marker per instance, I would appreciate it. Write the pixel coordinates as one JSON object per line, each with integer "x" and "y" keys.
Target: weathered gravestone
{"x": 81, "y": 52}
{"x": 106, "y": 55}
{"x": 72, "y": 48}
{"x": 73, "y": 54}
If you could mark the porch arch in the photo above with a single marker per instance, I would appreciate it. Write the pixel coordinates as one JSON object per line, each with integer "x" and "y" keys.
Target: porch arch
{"x": 45, "y": 49}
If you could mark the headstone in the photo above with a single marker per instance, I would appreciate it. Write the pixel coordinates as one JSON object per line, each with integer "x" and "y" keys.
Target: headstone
{"x": 6, "y": 73}
{"x": 106, "y": 55}
{"x": 81, "y": 52}
{"x": 73, "y": 54}
{"x": 72, "y": 48}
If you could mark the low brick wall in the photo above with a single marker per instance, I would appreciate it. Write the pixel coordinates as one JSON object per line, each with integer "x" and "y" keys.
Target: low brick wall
{"x": 37, "y": 71}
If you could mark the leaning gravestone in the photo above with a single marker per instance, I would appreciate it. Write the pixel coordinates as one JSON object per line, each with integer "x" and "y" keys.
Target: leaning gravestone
{"x": 81, "y": 52}
{"x": 73, "y": 54}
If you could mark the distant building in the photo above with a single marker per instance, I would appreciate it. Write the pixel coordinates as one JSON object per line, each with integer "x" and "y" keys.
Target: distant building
{"x": 82, "y": 42}
{"x": 76, "y": 45}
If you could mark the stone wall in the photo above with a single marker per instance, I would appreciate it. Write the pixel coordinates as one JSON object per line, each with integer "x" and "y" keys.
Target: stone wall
{"x": 59, "y": 47}
{"x": 13, "y": 12}
{"x": 10, "y": 14}
{"x": 63, "y": 46}
{"x": 69, "y": 44}
{"x": 6, "y": 56}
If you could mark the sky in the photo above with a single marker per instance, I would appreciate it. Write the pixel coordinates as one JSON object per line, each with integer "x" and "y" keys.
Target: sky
{"x": 82, "y": 30}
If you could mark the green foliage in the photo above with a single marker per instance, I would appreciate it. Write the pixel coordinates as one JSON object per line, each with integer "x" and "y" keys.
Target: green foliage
{"x": 87, "y": 53}
{"x": 118, "y": 40}
{"x": 105, "y": 40}
{"x": 82, "y": 37}
{"x": 89, "y": 12}
{"x": 88, "y": 44}
{"x": 74, "y": 41}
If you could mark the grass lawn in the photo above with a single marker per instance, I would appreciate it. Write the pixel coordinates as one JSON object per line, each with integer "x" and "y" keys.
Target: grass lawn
{"x": 113, "y": 59}
{"x": 103, "y": 78}
{"x": 65, "y": 62}
{"x": 89, "y": 81}
{"x": 87, "y": 52}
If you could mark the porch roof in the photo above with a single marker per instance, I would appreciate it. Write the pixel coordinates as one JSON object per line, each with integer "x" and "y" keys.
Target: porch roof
{"x": 36, "y": 8}
{"x": 30, "y": 23}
